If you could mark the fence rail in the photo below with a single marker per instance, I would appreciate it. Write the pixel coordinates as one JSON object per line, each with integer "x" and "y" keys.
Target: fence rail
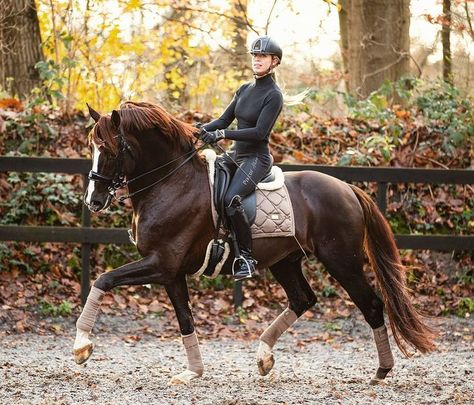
{"x": 86, "y": 235}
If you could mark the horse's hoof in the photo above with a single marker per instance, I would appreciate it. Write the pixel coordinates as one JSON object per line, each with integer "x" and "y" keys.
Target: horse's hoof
{"x": 265, "y": 364}
{"x": 82, "y": 355}
{"x": 379, "y": 376}
{"x": 184, "y": 378}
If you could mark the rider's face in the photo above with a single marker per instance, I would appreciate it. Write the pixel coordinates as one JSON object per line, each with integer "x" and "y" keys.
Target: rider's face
{"x": 261, "y": 63}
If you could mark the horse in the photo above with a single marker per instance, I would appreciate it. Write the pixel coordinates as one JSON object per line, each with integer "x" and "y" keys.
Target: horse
{"x": 147, "y": 149}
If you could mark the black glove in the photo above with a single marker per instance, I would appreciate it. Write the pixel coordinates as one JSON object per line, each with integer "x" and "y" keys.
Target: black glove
{"x": 213, "y": 136}
{"x": 201, "y": 131}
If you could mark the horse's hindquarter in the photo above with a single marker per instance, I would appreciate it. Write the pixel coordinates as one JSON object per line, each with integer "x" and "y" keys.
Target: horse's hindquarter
{"x": 325, "y": 209}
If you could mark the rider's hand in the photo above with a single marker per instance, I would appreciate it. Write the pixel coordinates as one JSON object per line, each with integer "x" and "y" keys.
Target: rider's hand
{"x": 201, "y": 131}
{"x": 213, "y": 136}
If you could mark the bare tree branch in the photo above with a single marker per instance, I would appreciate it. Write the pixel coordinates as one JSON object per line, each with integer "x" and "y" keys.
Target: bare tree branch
{"x": 194, "y": 27}
{"x": 269, "y": 16}
{"x": 468, "y": 17}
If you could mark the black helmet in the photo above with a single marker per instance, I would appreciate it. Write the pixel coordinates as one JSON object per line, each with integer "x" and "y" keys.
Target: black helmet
{"x": 267, "y": 46}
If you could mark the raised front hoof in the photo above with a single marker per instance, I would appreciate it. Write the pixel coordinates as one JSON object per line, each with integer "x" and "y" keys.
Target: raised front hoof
{"x": 184, "y": 378}
{"x": 265, "y": 364}
{"x": 82, "y": 354}
{"x": 379, "y": 376}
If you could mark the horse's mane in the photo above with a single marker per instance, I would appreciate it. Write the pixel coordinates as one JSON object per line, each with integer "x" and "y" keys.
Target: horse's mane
{"x": 141, "y": 116}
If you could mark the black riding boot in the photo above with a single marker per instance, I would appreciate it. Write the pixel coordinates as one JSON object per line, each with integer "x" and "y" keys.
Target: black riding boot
{"x": 244, "y": 265}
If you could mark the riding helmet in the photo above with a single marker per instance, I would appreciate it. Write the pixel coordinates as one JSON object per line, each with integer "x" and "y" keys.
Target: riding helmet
{"x": 267, "y": 46}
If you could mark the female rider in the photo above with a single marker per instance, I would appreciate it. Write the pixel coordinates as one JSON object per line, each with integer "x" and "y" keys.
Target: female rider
{"x": 256, "y": 106}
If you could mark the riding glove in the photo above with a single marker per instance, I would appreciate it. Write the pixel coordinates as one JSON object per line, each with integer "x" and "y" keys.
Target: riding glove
{"x": 213, "y": 136}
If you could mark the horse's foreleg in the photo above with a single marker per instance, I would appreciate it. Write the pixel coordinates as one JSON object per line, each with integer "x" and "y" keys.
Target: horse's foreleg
{"x": 301, "y": 298}
{"x": 178, "y": 293}
{"x": 143, "y": 271}
{"x": 82, "y": 345}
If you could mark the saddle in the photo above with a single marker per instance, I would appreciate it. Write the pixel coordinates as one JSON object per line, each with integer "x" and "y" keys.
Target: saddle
{"x": 268, "y": 209}
{"x": 222, "y": 178}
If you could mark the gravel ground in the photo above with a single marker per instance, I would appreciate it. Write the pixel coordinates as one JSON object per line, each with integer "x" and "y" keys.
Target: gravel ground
{"x": 40, "y": 369}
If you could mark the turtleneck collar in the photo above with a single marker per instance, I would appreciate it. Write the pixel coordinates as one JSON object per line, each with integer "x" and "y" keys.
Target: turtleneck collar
{"x": 264, "y": 81}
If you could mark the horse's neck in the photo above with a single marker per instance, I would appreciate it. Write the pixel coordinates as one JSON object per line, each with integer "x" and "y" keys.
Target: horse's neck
{"x": 186, "y": 180}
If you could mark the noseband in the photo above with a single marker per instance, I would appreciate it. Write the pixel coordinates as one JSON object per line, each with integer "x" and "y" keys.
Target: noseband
{"x": 118, "y": 180}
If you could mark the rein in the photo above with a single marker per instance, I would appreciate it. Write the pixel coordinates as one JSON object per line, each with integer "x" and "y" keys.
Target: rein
{"x": 190, "y": 154}
{"x": 118, "y": 181}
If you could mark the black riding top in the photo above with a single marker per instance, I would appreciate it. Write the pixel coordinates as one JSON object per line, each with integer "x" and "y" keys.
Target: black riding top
{"x": 256, "y": 106}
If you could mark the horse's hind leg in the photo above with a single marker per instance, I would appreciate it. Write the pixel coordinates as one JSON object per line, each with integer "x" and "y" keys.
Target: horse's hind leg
{"x": 347, "y": 268}
{"x": 301, "y": 297}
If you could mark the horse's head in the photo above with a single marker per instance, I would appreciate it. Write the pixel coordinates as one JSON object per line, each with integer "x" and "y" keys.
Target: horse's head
{"x": 140, "y": 137}
{"x": 111, "y": 160}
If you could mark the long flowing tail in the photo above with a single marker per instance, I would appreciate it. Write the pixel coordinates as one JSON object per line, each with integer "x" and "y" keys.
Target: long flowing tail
{"x": 405, "y": 321}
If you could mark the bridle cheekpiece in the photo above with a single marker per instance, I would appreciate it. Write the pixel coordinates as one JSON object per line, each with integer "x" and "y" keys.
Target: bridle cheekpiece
{"x": 117, "y": 181}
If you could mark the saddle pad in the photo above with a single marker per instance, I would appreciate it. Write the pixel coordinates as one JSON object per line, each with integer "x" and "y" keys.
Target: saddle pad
{"x": 274, "y": 216}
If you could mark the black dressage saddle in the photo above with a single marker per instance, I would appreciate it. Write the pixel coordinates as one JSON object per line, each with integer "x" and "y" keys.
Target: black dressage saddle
{"x": 222, "y": 179}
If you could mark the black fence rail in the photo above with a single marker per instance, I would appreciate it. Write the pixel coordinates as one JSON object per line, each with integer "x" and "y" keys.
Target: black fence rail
{"x": 87, "y": 236}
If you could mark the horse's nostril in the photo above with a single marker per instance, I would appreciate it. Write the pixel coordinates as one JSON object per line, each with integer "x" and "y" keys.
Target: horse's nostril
{"x": 95, "y": 205}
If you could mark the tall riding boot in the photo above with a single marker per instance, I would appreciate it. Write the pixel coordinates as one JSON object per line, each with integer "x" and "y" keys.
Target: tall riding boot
{"x": 244, "y": 265}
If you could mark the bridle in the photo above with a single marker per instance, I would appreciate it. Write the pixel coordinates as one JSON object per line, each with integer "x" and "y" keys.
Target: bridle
{"x": 118, "y": 180}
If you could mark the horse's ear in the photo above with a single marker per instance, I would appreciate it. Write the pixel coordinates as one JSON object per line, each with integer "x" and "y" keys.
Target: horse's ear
{"x": 116, "y": 118}
{"x": 93, "y": 113}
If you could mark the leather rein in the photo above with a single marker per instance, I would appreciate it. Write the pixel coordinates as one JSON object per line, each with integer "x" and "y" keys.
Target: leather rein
{"x": 118, "y": 180}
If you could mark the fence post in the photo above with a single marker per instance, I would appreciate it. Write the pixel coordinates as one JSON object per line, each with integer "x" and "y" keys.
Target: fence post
{"x": 85, "y": 250}
{"x": 382, "y": 196}
{"x": 238, "y": 294}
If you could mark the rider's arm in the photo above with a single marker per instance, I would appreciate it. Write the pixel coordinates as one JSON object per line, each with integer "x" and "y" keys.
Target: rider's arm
{"x": 269, "y": 114}
{"x": 227, "y": 116}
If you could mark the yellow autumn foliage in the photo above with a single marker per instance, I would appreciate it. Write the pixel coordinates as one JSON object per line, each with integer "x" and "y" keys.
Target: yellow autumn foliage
{"x": 109, "y": 51}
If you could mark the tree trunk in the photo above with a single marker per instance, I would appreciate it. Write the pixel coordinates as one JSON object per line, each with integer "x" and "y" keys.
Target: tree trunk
{"x": 239, "y": 12}
{"x": 20, "y": 46}
{"x": 378, "y": 43}
{"x": 344, "y": 42}
{"x": 445, "y": 38}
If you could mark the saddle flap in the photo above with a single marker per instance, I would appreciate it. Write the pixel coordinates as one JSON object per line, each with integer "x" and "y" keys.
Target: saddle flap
{"x": 222, "y": 178}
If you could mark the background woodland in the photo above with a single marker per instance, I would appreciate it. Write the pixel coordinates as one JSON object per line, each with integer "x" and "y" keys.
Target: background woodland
{"x": 383, "y": 98}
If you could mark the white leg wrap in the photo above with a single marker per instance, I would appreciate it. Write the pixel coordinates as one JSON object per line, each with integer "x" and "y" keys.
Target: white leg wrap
{"x": 383, "y": 348}
{"x": 287, "y": 318}
{"x": 89, "y": 314}
{"x": 265, "y": 359}
{"x": 195, "y": 367}
{"x": 83, "y": 347}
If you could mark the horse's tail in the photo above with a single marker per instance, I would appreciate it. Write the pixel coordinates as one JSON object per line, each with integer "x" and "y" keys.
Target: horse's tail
{"x": 405, "y": 321}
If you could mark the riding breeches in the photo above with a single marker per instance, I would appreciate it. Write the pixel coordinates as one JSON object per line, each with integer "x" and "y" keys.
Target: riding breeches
{"x": 253, "y": 168}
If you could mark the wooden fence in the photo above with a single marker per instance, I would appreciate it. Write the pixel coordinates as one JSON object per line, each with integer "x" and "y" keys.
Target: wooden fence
{"x": 87, "y": 235}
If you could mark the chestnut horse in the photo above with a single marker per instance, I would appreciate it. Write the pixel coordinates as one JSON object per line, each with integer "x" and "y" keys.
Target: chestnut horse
{"x": 145, "y": 148}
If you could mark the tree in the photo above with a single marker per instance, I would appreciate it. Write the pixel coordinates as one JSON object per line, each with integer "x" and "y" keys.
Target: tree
{"x": 445, "y": 37}
{"x": 20, "y": 46}
{"x": 375, "y": 39}
{"x": 240, "y": 26}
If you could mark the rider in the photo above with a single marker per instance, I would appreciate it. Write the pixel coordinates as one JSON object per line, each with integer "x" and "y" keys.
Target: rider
{"x": 256, "y": 105}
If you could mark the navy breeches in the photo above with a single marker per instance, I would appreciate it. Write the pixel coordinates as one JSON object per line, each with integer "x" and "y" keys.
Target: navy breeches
{"x": 254, "y": 167}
